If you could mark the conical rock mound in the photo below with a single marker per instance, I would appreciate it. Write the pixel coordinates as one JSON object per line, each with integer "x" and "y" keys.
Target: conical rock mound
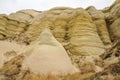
{"x": 47, "y": 56}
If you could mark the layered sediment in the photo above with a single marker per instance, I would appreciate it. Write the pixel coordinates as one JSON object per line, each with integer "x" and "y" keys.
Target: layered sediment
{"x": 88, "y": 40}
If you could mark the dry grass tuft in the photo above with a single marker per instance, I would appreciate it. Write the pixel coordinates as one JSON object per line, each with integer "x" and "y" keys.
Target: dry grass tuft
{"x": 76, "y": 76}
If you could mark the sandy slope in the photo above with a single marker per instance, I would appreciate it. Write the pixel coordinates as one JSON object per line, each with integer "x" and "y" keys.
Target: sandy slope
{"x": 48, "y": 56}
{"x": 8, "y": 50}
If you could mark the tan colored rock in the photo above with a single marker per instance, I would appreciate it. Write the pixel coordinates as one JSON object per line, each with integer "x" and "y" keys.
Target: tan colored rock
{"x": 113, "y": 17}
{"x": 64, "y": 24}
{"x": 84, "y": 37}
{"x": 9, "y": 27}
{"x": 87, "y": 63}
{"x": 11, "y": 68}
{"x": 2, "y": 26}
{"x": 83, "y": 32}
{"x": 115, "y": 29}
{"x": 24, "y": 15}
{"x": 16, "y": 22}
{"x": 99, "y": 20}
{"x": 9, "y": 50}
{"x": 48, "y": 56}
{"x": 57, "y": 24}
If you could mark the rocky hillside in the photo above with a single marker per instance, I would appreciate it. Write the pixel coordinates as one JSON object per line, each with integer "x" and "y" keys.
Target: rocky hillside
{"x": 80, "y": 42}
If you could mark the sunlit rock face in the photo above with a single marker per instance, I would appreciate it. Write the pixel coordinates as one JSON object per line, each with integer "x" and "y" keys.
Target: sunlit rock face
{"x": 82, "y": 37}
{"x": 8, "y": 27}
{"x": 24, "y": 15}
{"x": 99, "y": 19}
{"x": 113, "y": 20}
{"x": 72, "y": 27}
{"x": 15, "y": 23}
{"x": 77, "y": 29}
{"x": 48, "y": 57}
{"x": 8, "y": 50}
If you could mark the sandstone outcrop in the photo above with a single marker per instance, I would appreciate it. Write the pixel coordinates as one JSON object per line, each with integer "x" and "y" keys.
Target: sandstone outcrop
{"x": 9, "y": 50}
{"x": 74, "y": 28}
{"x": 113, "y": 18}
{"x": 70, "y": 27}
{"x": 15, "y": 23}
{"x": 99, "y": 19}
{"x": 48, "y": 57}
{"x": 86, "y": 36}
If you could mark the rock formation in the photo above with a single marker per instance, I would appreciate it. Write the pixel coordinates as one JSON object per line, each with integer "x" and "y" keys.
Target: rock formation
{"x": 113, "y": 18}
{"x": 15, "y": 23}
{"x": 69, "y": 26}
{"x": 9, "y": 50}
{"x": 99, "y": 19}
{"x": 90, "y": 37}
{"x": 48, "y": 57}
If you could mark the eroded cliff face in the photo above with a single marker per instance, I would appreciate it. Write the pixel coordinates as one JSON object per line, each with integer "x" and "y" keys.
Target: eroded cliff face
{"x": 86, "y": 34}
{"x": 15, "y": 23}
{"x": 77, "y": 29}
{"x": 113, "y": 20}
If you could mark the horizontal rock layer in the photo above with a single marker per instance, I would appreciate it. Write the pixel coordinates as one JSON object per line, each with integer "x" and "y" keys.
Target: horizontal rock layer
{"x": 85, "y": 33}
{"x": 82, "y": 32}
